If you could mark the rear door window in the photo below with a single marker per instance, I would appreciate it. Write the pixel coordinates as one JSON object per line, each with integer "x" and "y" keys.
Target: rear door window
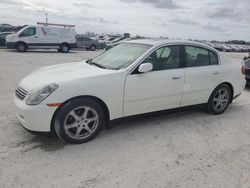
{"x": 213, "y": 58}
{"x": 197, "y": 56}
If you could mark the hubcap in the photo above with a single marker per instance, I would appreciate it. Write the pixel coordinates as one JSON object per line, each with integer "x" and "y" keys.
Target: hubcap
{"x": 21, "y": 48}
{"x": 65, "y": 49}
{"x": 220, "y": 100}
{"x": 81, "y": 122}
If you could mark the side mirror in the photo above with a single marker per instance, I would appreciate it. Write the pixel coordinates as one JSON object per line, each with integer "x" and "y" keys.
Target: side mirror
{"x": 145, "y": 67}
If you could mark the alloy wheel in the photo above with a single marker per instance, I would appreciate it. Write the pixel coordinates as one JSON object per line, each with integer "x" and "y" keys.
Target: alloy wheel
{"x": 81, "y": 122}
{"x": 221, "y": 100}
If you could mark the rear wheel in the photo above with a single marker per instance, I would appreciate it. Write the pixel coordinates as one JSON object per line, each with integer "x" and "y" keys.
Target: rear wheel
{"x": 79, "y": 120}
{"x": 92, "y": 47}
{"x": 219, "y": 100}
{"x": 21, "y": 47}
{"x": 64, "y": 48}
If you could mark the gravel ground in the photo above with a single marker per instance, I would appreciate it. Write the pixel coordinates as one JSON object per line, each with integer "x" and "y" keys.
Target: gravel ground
{"x": 186, "y": 148}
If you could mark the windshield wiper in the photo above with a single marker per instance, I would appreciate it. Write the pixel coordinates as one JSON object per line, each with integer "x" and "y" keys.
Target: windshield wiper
{"x": 90, "y": 62}
{"x": 96, "y": 64}
{"x": 93, "y": 63}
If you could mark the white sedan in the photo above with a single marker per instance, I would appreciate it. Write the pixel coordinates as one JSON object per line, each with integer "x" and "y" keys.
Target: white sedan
{"x": 77, "y": 99}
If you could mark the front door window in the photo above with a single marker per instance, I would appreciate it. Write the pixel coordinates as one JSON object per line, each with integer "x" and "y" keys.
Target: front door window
{"x": 28, "y": 32}
{"x": 165, "y": 58}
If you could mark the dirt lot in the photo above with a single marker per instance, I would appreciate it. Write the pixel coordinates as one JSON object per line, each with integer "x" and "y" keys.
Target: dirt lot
{"x": 182, "y": 149}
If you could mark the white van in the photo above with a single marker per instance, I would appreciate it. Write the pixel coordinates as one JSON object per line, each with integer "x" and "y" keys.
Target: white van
{"x": 42, "y": 37}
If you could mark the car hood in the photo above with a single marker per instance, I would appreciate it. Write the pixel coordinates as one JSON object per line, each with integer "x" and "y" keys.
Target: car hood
{"x": 61, "y": 73}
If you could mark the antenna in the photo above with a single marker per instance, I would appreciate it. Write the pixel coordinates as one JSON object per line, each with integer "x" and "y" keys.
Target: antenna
{"x": 46, "y": 19}
{"x": 54, "y": 24}
{"x": 46, "y": 23}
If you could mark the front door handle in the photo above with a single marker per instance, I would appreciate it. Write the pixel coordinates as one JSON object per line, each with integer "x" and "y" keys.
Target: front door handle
{"x": 176, "y": 77}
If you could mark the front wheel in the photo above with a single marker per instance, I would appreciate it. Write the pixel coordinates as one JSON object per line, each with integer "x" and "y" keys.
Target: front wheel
{"x": 219, "y": 100}
{"x": 79, "y": 120}
{"x": 21, "y": 47}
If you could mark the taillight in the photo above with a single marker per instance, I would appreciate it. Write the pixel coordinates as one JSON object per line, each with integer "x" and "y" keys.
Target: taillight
{"x": 243, "y": 69}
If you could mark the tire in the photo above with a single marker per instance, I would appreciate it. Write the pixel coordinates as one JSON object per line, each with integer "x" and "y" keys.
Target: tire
{"x": 64, "y": 48}
{"x": 21, "y": 47}
{"x": 219, "y": 99}
{"x": 92, "y": 47}
{"x": 79, "y": 120}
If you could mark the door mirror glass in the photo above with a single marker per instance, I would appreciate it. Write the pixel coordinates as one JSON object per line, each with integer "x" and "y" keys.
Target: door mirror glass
{"x": 145, "y": 67}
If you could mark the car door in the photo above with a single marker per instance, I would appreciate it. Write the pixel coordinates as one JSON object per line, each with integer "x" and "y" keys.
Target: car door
{"x": 79, "y": 42}
{"x": 158, "y": 89}
{"x": 29, "y": 36}
{"x": 83, "y": 42}
{"x": 202, "y": 74}
{"x": 49, "y": 36}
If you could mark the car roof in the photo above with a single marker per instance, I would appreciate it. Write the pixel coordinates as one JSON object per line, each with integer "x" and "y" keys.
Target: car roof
{"x": 159, "y": 42}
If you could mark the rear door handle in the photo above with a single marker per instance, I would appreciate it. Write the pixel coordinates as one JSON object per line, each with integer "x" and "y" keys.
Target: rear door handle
{"x": 218, "y": 72}
{"x": 176, "y": 77}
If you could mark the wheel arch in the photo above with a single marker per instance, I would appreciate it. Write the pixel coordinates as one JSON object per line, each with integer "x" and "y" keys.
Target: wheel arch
{"x": 229, "y": 85}
{"x": 21, "y": 42}
{"x": 98, "y": 100}
{"x": 66, "y": 43}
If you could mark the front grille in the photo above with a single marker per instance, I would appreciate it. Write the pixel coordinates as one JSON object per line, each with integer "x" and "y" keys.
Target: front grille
{"x": 20, "y": 93}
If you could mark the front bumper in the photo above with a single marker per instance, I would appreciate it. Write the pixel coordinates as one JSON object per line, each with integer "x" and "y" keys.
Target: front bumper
{"x": 11, "y": 45}
{"x": 34, "y": 118}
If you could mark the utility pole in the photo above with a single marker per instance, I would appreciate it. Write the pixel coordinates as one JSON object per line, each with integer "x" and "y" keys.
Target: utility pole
{"x": 46, "y": 19}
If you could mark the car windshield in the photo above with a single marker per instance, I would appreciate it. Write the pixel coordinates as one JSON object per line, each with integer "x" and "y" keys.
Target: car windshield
{"x": 120, "y": 56}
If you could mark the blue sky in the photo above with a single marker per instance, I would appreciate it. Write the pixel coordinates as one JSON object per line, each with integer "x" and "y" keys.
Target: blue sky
{"x": 207, "y": 19}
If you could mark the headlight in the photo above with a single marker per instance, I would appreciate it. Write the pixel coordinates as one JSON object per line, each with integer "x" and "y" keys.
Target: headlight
{"x": 38, "y": 96}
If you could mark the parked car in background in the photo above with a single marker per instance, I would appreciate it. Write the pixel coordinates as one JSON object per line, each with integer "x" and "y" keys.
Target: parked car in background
{"x": 244, "y": 48}
{"x": 114, "y": 40}
{"x": 86, "y": 42}
{"x": 218, "y": 46}
{"x": 233, "y": 48}
{"x": 210, "y": 44}
{"x": 115, "y": 43}
{"x": 246, "y": 69}
{"x": 43, "y": 37}
{"x": 248, "y": 48}
{"x": 3, "y": 37}
{"x": 108, "y": 39}
{"x": 222, "y": 47}
{"x": 226, "y": 48}
{"x": 77, "y": 99}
